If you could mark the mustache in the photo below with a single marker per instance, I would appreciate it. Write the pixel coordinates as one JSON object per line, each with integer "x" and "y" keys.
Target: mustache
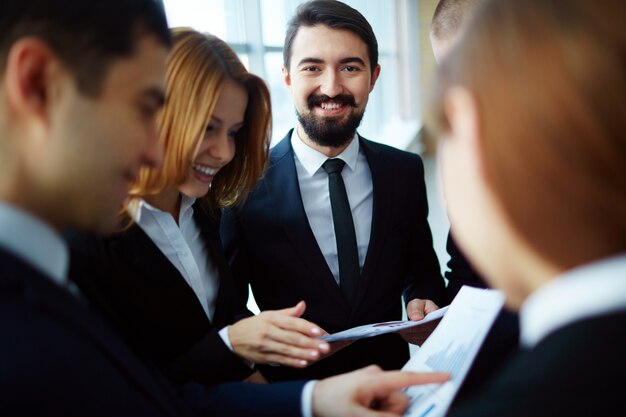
{"x": 315, "y": 100}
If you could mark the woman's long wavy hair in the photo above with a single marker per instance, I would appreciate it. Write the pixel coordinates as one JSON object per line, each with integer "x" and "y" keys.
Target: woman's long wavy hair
{"x": 197, "y": 69}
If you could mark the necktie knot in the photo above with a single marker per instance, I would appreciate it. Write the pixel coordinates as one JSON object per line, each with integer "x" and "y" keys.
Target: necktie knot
{"x": 333, "y": 165}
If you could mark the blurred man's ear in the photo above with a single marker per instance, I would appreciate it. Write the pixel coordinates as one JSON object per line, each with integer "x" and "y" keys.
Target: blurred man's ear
{"x": 375, "y": 75}
{"x": 286, "y": 77}
{"x": 461, "y": 110}
{"x": 31, "y": 78}
{"x": 439, "y": 48}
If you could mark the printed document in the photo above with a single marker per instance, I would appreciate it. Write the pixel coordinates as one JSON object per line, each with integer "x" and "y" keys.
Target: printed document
{"x": 376, "y": 329}
{"x": 452, "y": 348}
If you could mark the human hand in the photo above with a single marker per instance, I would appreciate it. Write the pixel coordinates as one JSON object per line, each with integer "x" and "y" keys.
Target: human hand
{"x": 416, "y": 335}
{"x": 417, "y": 308}
{"x": 278, "y": 336}
{"x": 336, "y": 347}
{"x": 368, "y": 392}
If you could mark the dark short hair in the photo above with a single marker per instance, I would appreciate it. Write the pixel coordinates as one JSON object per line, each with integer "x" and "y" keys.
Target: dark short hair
{"x": 335, "y": 15}
{"x": 86, "y": 34}
{"x": 450, "y": 16}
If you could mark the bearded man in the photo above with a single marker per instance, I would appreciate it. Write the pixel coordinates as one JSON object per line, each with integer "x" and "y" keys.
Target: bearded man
{"x": 337, "y": 221}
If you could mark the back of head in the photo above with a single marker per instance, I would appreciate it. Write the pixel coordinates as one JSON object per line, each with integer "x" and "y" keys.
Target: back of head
{"x": 450, "y": 17}
{"x": 86, "y": 35}
{"x": 335, "y": 15}
{"x": 548, "y": 80}
{"x": 197, "y": 68}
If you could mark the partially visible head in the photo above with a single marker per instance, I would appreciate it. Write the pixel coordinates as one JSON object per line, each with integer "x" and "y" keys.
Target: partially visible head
{"x": 86, "y": 36}
{"x": 215, "y": 126}
{"x": 80, "y": 85}
{"x": 531, "y": 107}
{"x": 330, "y": 65}
{"x": 447, "y": 24}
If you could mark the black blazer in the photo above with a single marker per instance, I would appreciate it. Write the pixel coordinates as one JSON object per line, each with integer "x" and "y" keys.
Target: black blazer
{"x": 576, "y": 371}
{"x": 59, "y": 358}
{"x": 128, "y": 278}
{"x": 271, "y": 245}
{"x": 460, "y": 272}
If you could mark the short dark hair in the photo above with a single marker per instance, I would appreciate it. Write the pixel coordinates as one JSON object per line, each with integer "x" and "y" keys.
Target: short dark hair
{"x": 450, "y": 16}
{"x": 335, "y": 15}
{"x": 86, "y": 35}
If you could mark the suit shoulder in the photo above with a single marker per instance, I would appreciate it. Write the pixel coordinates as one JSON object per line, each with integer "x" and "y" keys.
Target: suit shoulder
{"x": 281, "y": 149}
{"x": 393, "y": 153}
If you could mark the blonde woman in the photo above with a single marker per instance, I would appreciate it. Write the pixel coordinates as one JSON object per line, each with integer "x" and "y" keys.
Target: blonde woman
{"x": 163, "y": 280}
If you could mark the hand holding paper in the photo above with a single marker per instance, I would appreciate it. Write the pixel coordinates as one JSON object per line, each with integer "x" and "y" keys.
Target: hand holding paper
{"x": 452, "y": 348}
{"x": 418, "y": 308}
{"x": 376, "y": 329}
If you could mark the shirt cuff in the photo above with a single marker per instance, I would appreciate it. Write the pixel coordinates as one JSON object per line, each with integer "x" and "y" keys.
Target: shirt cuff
{"x": 224, "y": 335}
{"x": 307, "y": 399}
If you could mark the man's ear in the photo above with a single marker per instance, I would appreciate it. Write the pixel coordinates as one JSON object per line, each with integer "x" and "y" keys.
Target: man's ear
{"x": 30, "y": 74}
{"x": 286, "y": 77}
{"x": 461, "y": 111}
{"x": 374, "y": 78}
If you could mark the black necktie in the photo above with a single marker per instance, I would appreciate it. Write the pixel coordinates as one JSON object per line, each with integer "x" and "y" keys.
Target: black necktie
{"x": 347, "y": 251}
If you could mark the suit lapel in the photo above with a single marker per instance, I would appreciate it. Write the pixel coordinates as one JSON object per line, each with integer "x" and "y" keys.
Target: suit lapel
{"x": 43, "y": 295}
{"x": 382, "y": 182}
{"x": 143, "y": 255}
{"x": 285, "y": 188}
{"x": 225, "y": 308}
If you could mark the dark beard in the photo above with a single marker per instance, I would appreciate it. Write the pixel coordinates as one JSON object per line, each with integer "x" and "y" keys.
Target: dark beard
{"x": 328, "y": 131}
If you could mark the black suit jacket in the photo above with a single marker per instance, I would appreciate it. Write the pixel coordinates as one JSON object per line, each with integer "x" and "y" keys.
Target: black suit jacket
{"x": 576, "y": 371}
{"x": 137, "y": 288}
{"x": 460, "y": 272}
{"x": 59, "y": 358}
{"x": 271, "y": 245}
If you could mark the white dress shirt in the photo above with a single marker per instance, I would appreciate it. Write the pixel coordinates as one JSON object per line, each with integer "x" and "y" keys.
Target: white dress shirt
{"x": 587, "y": 291}
{"x": 313, "y": 181}
{"x": 35, "y": 242}
{"x": 183, "y": 245}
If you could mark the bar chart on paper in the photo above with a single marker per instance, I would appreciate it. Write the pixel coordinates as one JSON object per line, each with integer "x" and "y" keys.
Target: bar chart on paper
{"x": 449, "y": 360}
{"x": 451, "y": 348}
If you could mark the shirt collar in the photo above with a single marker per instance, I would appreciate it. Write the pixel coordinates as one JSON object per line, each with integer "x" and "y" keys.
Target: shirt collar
{"x": 34, "y": 241}
{"x": 586, "y": 291}
{"x": 312, "y": 160}
{"x": 185, "y": 205}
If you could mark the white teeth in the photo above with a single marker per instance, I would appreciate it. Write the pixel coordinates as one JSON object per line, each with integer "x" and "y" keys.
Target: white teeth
{"x": 330, "y": 106}
{"x": 205, "y": 169}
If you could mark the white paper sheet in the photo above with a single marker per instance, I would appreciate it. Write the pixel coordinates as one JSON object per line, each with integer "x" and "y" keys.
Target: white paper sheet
{"x": 375, "y": 329}
{"x": 452, "y": 348}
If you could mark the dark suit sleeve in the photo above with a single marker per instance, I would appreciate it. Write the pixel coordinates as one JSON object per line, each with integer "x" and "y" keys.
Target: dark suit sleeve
{"x": 460, "y": 272}
{"x": 208, "y": 361}
{"x": 424, "y": 280}
{"x": 178, "y": 344}
{"x": 243, "y": 400}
